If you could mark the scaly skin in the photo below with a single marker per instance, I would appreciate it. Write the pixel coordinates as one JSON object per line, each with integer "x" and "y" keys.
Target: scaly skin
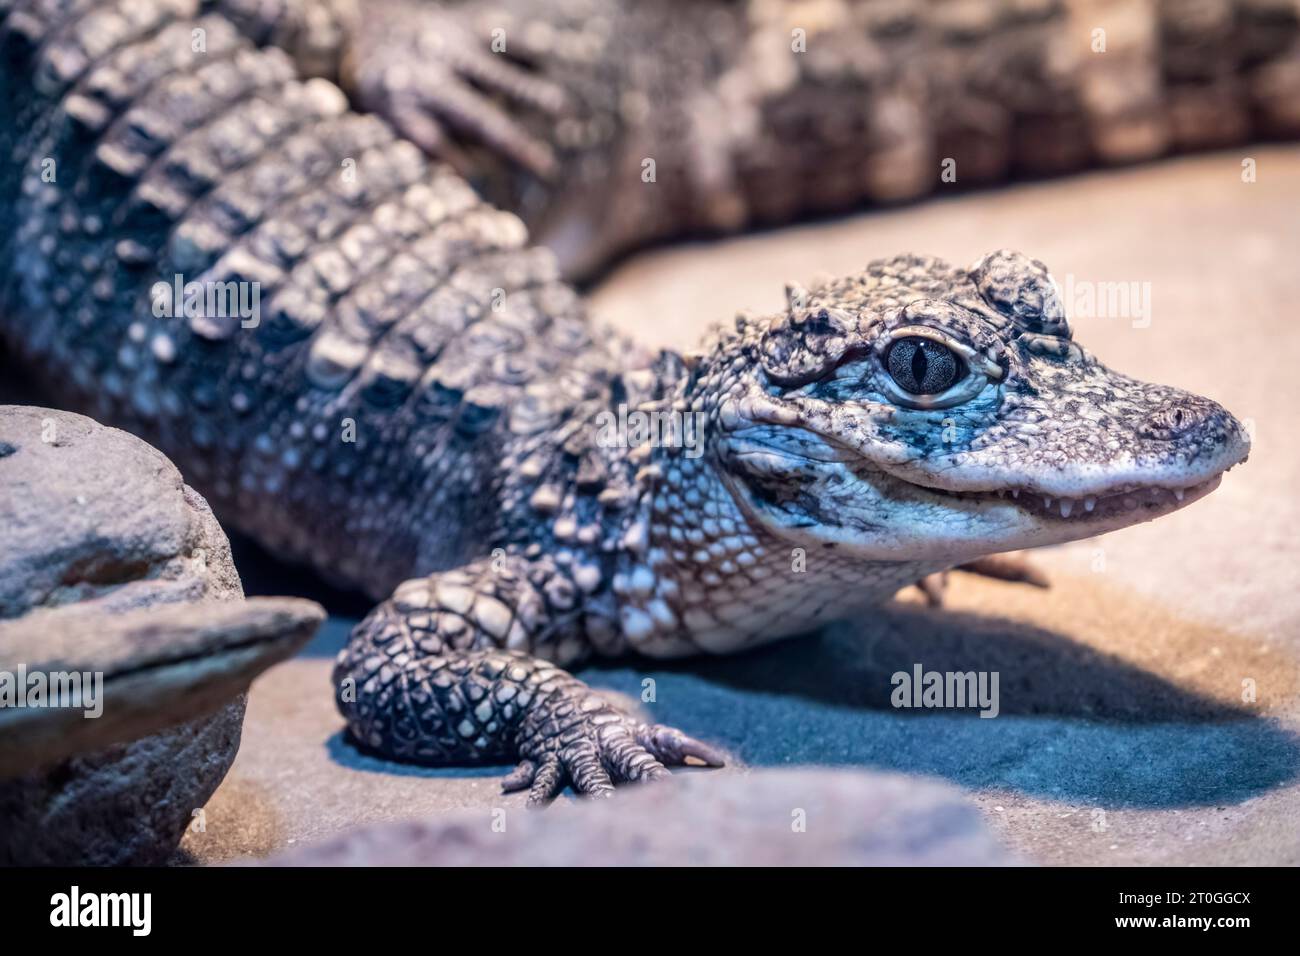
{"x": 764, "y": 111}
{"x": 556, "y": 121}
{"x": 420, "y": 404}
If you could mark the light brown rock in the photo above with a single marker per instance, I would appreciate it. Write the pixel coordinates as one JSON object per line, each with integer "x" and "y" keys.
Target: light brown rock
{"x": 797, "y": 817}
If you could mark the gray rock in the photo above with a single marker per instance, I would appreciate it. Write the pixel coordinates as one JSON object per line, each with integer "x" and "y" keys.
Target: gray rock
{"x": 95, "y": 523}
{"x": 155, "y": 667}
{"x": 92, "y": 513}
{"x": 697, "y": 819}
{"x": 123, "y": 806}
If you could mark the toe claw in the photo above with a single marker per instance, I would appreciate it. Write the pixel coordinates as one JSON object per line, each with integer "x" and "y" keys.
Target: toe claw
{"x": 425, "y": 132}
{"x": 934, "y": 586}
{"x": 675, "y": 748}
{"x": 519, "y": 778}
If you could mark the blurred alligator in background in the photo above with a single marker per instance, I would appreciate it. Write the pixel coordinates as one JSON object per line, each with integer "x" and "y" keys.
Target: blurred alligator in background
{"x": 760, "y": 112}
{"x": 366, "y": 365}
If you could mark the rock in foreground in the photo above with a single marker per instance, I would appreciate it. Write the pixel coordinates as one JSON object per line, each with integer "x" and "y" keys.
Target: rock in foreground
{"x": 160, "y": 666}
{"x": 97, "y": 534}
{"x": 799, "y": 817}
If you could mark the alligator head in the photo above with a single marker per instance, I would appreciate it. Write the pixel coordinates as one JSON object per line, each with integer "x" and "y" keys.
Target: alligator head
{"x": 922, "y": 412}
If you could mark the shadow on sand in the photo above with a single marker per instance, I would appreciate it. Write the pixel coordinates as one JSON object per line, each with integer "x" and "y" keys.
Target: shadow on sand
{"x": 1075, "y": 725}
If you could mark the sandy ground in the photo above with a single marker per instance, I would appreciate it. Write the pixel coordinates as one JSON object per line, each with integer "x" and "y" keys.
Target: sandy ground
{"x": 1123, "y": 735}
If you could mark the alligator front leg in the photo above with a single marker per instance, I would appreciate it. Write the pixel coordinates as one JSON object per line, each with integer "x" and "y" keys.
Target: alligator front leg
{"x": 446, "y": 672}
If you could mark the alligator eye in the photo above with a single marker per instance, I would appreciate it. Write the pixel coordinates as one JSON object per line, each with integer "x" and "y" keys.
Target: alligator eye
{"x": 923, "y": 366}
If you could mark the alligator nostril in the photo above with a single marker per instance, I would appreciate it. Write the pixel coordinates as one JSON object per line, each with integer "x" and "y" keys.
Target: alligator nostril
{"x": 1177, "y": 418}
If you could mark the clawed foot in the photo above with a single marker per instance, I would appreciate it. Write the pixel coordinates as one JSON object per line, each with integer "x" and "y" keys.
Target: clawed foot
{"x": 933, "y": 588}
{"x": 1003, "y": 567}
{"x": 441, "y": 85}
{"x": 593, "y": 745}
{"x": 422, "y": 679}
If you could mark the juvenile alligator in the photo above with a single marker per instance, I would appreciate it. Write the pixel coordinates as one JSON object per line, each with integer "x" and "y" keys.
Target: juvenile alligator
{"x": 419, "y": 402}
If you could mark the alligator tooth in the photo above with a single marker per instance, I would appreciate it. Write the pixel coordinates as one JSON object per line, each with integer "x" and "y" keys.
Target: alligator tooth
{"x": 1047, "y": 502}
{"x": 1179, "y": 493}
{"x": 1015, "y": 492}
{"x": 1089, "y": 503}
{"x": 1066, "y": 507}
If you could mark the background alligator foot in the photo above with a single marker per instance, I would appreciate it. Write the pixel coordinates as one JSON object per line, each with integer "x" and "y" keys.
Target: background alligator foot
{"x": 443, "y": 87}
{"x": 1004, "y": 567}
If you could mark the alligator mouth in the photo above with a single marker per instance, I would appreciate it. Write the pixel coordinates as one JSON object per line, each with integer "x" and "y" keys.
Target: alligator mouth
{"x": 1115, "y": 502}
{"x": 1112, "y": 506}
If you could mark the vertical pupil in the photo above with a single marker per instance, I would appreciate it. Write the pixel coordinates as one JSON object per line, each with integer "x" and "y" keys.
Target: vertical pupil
{"x": 919, "y": 364}
{"x": 923, "y": 367}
